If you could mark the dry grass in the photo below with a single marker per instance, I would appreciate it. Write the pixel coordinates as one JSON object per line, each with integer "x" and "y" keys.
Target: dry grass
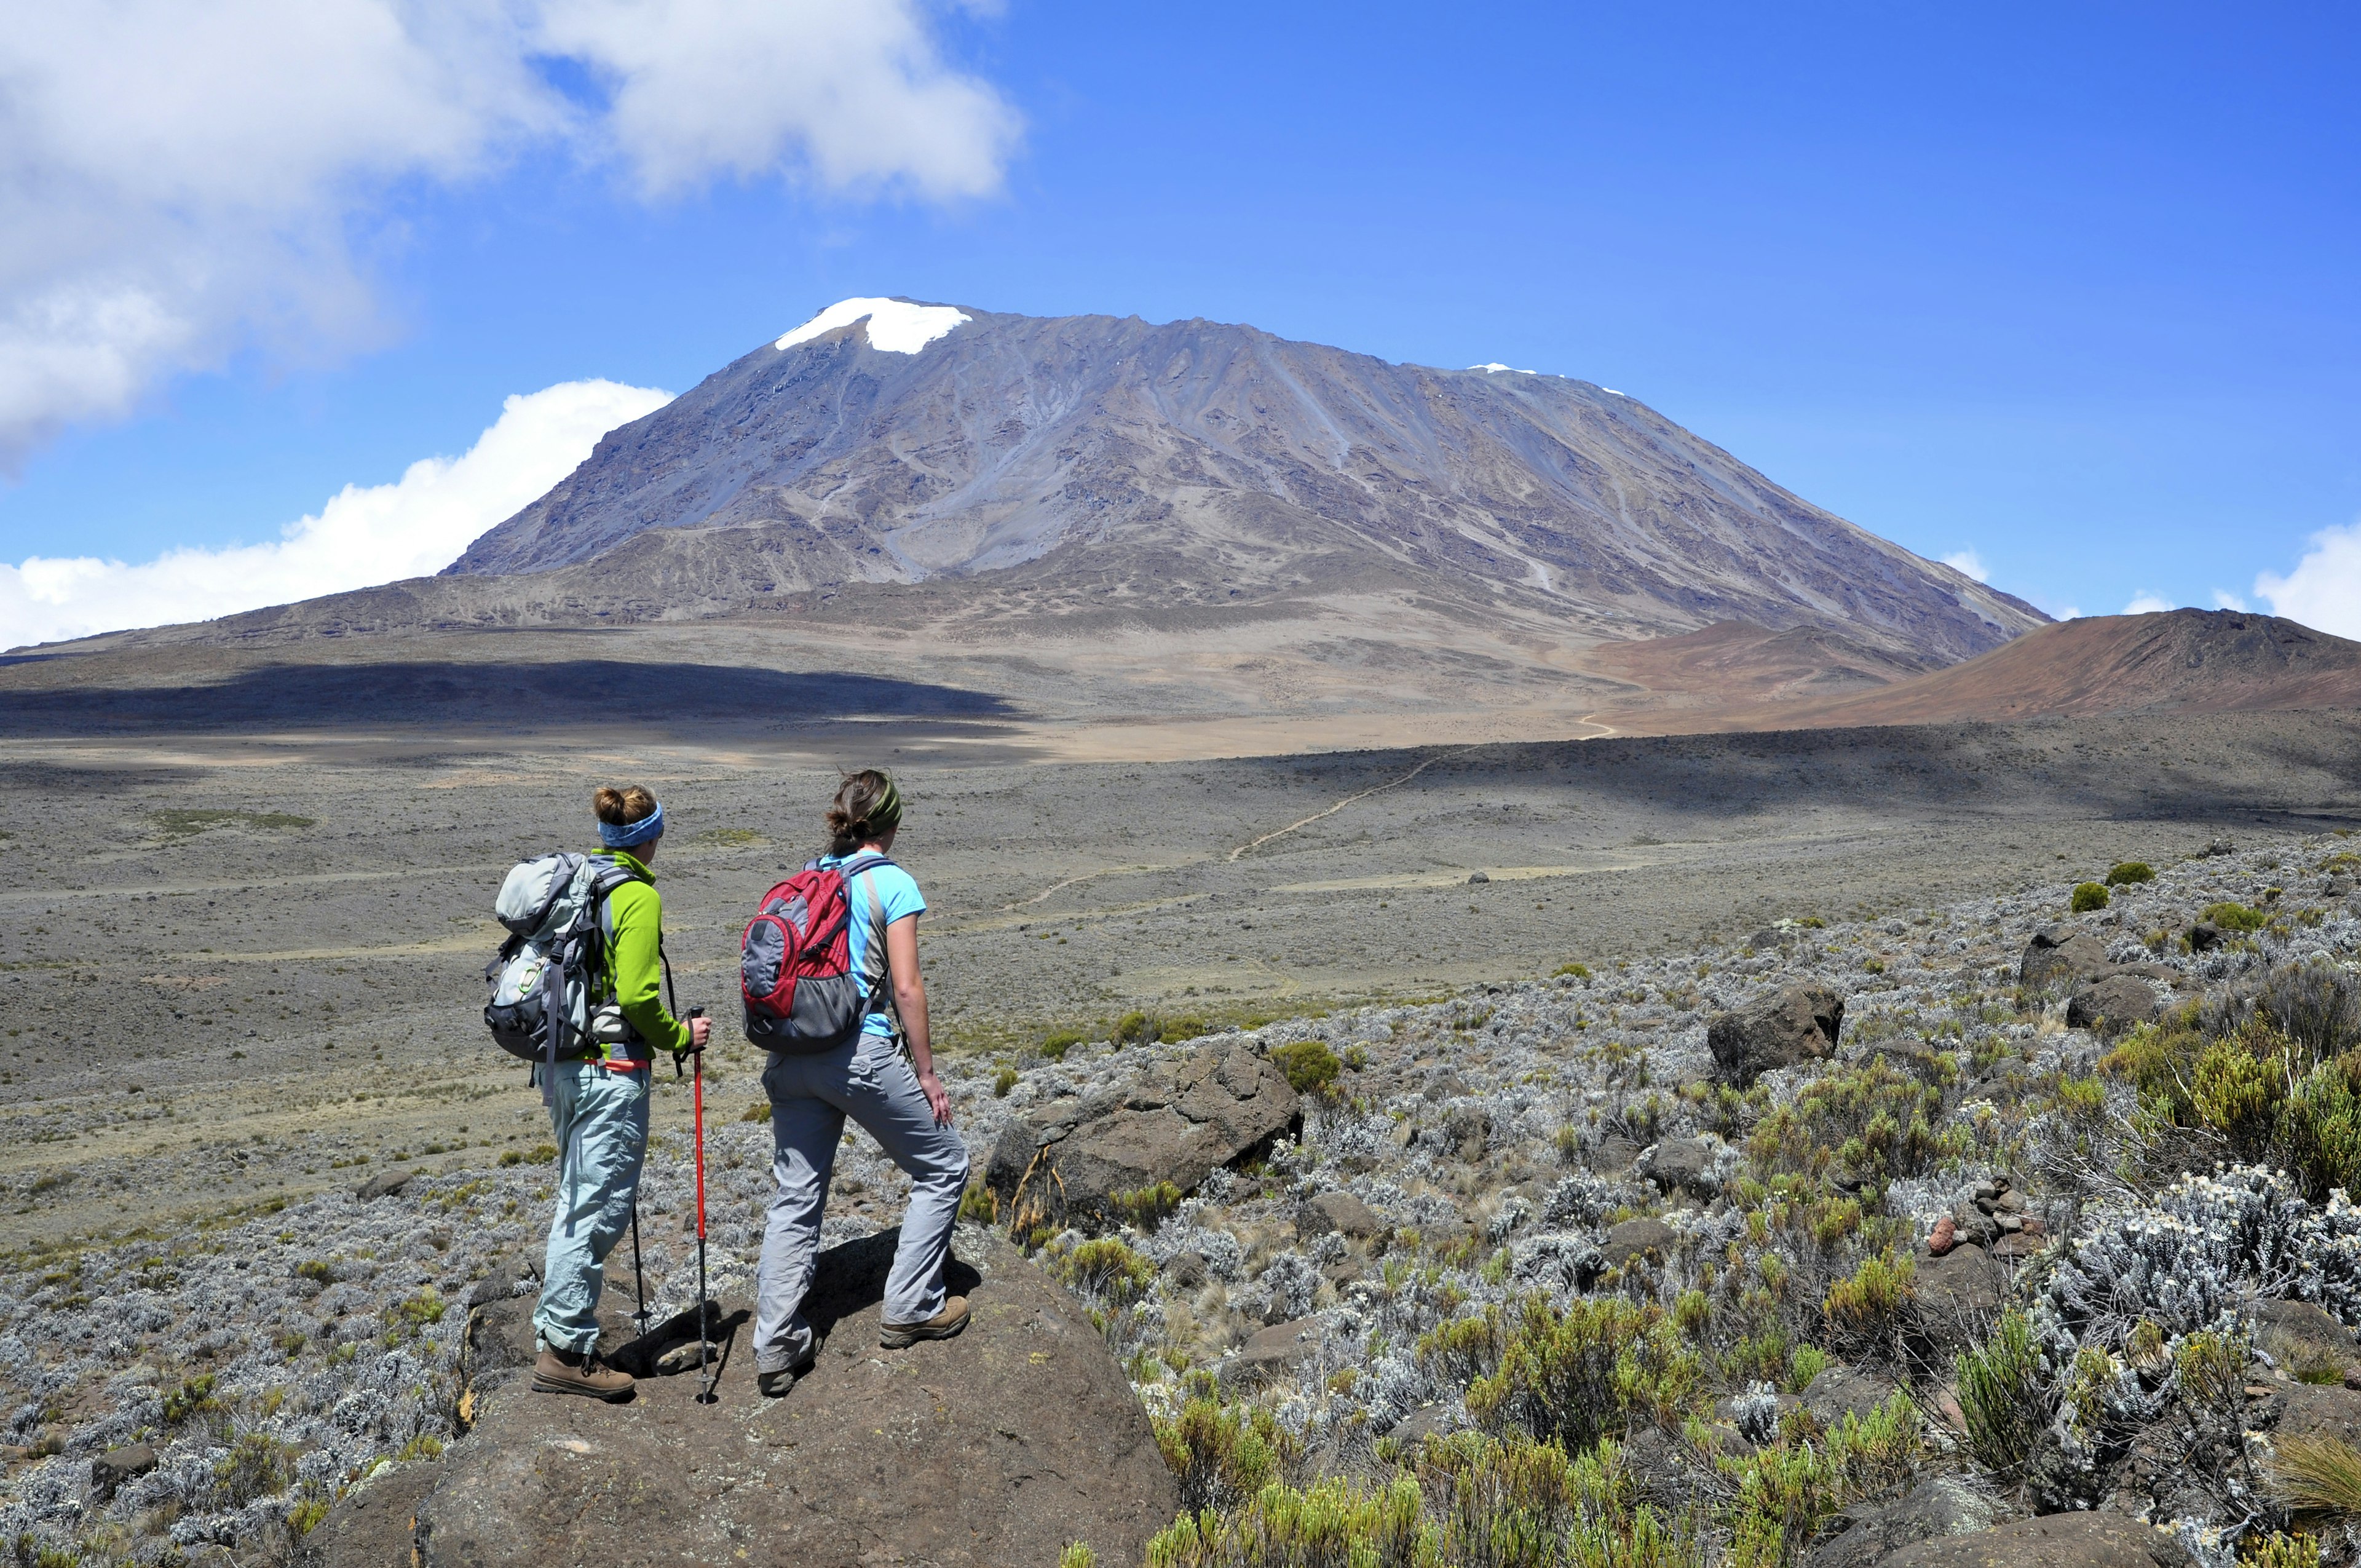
{"x": 2318, "y": 1475}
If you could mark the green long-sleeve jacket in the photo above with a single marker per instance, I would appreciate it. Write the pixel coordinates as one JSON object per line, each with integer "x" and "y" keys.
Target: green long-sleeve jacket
{"x": 634, "y": 972}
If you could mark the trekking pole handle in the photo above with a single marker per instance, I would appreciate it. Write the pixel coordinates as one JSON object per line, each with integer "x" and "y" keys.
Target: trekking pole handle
{"x": 692, "y": 1013}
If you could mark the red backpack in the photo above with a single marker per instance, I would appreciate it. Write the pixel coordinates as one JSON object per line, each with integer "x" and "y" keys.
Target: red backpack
{"x": 795, "y": 963}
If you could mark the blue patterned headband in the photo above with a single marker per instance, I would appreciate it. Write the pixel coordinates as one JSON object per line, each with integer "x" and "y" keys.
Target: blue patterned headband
{"x": 630, "y": 835}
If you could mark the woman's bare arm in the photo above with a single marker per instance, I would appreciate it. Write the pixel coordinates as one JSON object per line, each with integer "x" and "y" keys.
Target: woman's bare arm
{"x": 910, "y": 1005}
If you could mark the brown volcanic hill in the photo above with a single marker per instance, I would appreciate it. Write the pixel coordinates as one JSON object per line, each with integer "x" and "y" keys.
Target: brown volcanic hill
{"x": 2181, "y": 660}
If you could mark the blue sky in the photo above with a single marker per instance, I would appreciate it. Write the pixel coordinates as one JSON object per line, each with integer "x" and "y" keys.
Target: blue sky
{"x": 2076, "y": 289}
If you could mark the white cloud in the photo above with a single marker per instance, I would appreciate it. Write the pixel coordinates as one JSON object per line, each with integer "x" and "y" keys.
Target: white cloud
{"x": 181, "y": 181}
{"x": 412, "y": 528}
{"x": 1967, "y": 564}
{"x": 2145, "y": 603}
{"x": 2325, "y": 590}
{"x": 2225, "y": 599}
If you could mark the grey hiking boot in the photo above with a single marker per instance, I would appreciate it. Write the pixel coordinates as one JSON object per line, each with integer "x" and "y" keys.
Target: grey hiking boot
{"x": 575, "y": 1372}
{"x": 942, "y": 1325}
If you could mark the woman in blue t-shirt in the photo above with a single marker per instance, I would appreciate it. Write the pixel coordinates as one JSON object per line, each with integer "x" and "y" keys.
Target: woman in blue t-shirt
{"x": 896, "y": 1097}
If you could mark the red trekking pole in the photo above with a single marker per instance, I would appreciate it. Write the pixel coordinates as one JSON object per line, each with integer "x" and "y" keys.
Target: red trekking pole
{"x": 705, "y": 1395}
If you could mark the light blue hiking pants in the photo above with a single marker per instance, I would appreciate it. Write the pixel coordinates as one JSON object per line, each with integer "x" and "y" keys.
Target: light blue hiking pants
{"x": 600, "y": 1117}
{"x": 870, "y": 1081}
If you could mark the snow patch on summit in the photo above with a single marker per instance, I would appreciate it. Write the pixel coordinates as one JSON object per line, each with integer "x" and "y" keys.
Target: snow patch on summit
{"x": 895, "y": 326}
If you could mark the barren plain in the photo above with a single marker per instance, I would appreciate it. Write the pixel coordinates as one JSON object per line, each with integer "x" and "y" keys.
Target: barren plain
{"x": 236, "y": 970}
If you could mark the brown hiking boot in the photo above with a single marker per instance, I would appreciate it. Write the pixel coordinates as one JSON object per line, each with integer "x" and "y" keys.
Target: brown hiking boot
{"x": 942, "y": 1325}
{"x": 573, "y": 1372}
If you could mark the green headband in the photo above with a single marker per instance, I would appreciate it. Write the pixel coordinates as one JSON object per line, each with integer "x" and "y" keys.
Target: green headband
{"x": 887, "y": 812}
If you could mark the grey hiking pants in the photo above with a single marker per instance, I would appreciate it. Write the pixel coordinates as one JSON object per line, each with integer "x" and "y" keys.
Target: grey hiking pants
{"x": 870, "y": 1081}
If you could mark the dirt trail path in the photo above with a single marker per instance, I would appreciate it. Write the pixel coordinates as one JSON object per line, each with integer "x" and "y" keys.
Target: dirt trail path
{"x": 1247, "y": 848}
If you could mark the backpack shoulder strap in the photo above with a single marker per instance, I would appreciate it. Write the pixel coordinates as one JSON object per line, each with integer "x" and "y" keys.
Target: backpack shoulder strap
{"x": 879, "y": 959}
{"x": 609, "y": 875}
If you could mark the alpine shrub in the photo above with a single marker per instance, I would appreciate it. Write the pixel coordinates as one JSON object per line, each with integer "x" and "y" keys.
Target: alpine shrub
{"x": 1867, "y": 1309}
{"x": 1310, "y": 1066}
{"x": 1786, "y": 1489}
{"x": 2278, "y": 1551}
{"x": 258, "y": 1465}
{"x": 1222, "y": 1454}
{"x": 1109, "y": 1270}
{"x": 2125, "y": 872}
{"x": 1576, "y": 1375}
{"x": 2001, "y": 1396}
{"x": 1513, "y": 1501}
{"x": 1335, "y": 1524}
{"x": 2089, "y": 895}
{"x": 2233, "y": 917}
{"x": 2316, "y": 1002}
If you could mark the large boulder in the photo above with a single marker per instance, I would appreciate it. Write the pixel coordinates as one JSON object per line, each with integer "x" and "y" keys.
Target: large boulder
{"x": 2111, "y": 1002}
{"x": 1794, "y": 1023}
{"x": 1957, "y": 1296}
{"x": 2055, "y": 1540}
{"x": 2060, "y": 953}
{"x": 1338, "y": 1212}
{"x": 1685, "y": 1165}
{"x": 1080, "y": 1161}
{"x": 1937, "y": 1506}
{"x": 1002, "y": 1445}
{"x": 2306, "y": 1341}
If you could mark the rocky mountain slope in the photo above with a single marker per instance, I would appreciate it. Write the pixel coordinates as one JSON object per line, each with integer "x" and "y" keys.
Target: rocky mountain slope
{"x": 1035, "y": 473}
{"x": 1222, "y": 463}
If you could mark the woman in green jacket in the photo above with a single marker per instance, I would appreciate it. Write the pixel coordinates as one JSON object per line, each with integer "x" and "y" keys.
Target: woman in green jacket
{"x": 599, "y": 1109}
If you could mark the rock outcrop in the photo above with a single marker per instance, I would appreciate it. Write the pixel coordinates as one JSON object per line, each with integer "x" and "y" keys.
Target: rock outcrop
{"x": 2056, "y": 1541}
{"x": 1937, "y": 1508}
{"x": 2111, "y": 1002}
{"x": 2060, "y": 953}
{"x": 1794, "y": 1024}
{"x": 999, "y": 1446}
{"x": 1089, "y": 1161}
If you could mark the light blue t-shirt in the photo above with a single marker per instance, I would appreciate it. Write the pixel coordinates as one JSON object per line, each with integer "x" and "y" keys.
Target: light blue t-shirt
{"x": 898, "y": 892}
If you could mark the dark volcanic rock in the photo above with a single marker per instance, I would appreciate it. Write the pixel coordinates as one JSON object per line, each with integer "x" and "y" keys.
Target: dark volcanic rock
{"x": 2112, "y": 1002}
{"x": 999, "y": 1446}
{"x": 1958, "y": 1295}
{"x": 2318, "y": 1410}
{"x": 1638, "y": 1238}
{"x": 374, "y": 1525}
{"x": 1339, "y": 1212}
{"x": 1273, "y": 1351}
{"x": 2303, "y": 1338}
{"x": 2060, "y": 953}
{"x": 1683, "y": 1165}
{"x": 2058, "y": 1541}
{"x": 1794, "y": 1024}
{"x": 1176, "y": 1123}
{"x": 1838, "y": 1392}
{"x": 109, "y": 1471}
{"x": 383, "y": 1185}
{"x": 1937, "y": 1506}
